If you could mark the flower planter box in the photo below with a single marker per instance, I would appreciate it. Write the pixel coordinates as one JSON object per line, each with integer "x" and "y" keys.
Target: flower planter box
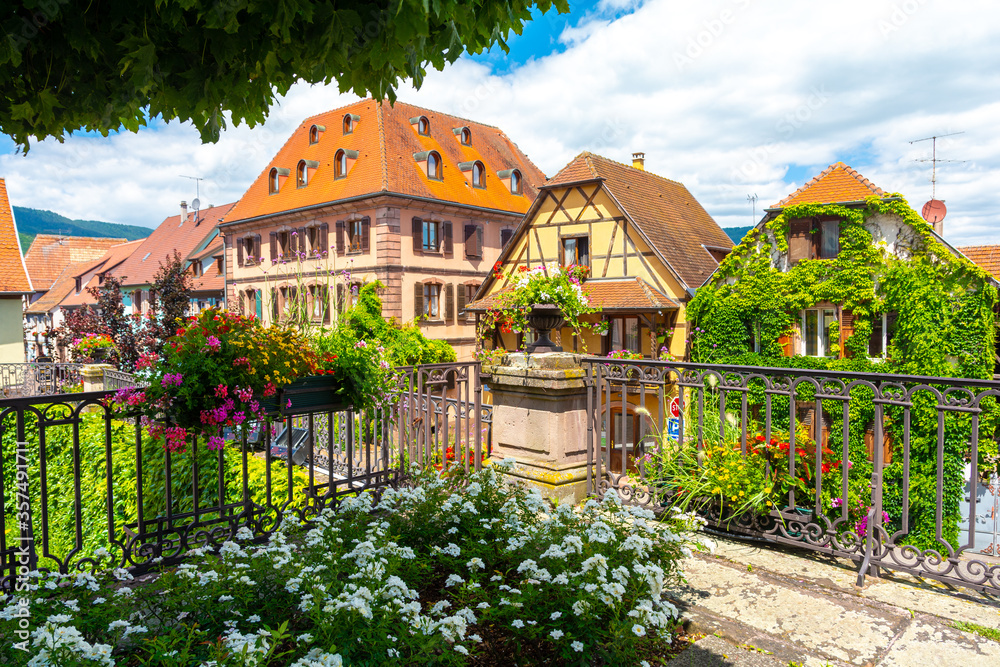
{"x": 315, "y": 393}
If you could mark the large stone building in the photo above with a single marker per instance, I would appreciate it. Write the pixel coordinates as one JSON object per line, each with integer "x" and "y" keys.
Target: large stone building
{"x": 419, "y": 200}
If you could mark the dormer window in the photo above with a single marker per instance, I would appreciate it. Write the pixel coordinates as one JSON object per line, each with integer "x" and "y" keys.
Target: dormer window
{"x": 272, "y": 181}
{"x": 423, "y": 126}
{"x": 302, "y": 172}
{"x": 464, "y": 135}
{"x": 340, "y": 162}
{"x": 515, "y": 182}
{"x": 348, "y": 124}
{"x": 434, "y": 165}
{"x": 478, "y": 175}
{"x": 314, "y": 132}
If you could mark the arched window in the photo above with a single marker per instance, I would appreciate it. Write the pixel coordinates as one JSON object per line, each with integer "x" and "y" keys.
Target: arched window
{"x": 272, "y": 181}
{"x": 515, "y": 182}
{"x": 424, "y": 126}
{"x": 348, "y": 124}
{"x": 340, "y": 164}
{"x": 434, "y": 165}
{"x": 314, "y": 135}
{"x": 301, "y": 174}
{"x": 466, "y": 136}
{"x": 478, "y": 175}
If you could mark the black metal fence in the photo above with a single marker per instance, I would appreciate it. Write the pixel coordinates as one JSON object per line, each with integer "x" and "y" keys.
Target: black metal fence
{"x": 38, "y": 379}
{"x": 78, "y": 478}
{"x": 890, "y": 471}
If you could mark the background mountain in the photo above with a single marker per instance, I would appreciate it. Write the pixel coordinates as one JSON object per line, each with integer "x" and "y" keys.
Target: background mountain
{"x": 735, "y": 233}
{"x": 31, "y": 221}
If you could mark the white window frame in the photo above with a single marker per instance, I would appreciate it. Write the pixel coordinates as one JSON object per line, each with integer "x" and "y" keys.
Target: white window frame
{"x": 822, "y": 344}
{"x": 432, "y": 301}
{"x": 885, "y": 340}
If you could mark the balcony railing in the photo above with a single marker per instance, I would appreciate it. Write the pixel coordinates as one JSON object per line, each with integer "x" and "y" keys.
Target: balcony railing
{"x": 908, "y": 446}
{"x": 38, "y": 379}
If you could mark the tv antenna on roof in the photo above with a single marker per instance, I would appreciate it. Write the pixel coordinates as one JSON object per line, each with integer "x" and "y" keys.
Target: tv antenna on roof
{"x": 935, "y": 210}
{"x": 196, "y": 204}
{"x": 753, "y": 207}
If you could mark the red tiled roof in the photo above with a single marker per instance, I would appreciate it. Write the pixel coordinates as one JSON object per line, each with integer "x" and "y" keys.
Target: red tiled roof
{"x": 172, "y": 234}
{"x": 112, "y": 258}
{"x": 986, "y": 256}
{"x": 212, "y": 280}
{"x": 64, "y": 286}
{"x": 386, "y": 143}
{"x": 626, "y": 294}
{"x": 677, "y": 226}
{"x": 837, "y": 183}
{"x": 13, "y": 273}
{"x": 49, "y": 255}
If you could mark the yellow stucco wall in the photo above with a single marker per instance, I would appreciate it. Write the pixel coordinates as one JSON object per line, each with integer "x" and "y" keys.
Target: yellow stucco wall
{"x": 616, "y": 251}
{"x": 11, "y": 331}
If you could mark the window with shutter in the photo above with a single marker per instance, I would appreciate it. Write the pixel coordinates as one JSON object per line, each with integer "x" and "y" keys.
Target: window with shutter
{"x": 341, "y": 302}
{"x": 479, "y": 241}
{"x": 239, "y": 252}
{"x": 449, "y": 303}
{"x": 274, "y": 247}
{"x": 417, "y": 231}
{"x": 366, "y": 231}
{"x": 800, "y": 242}
{"x": 341, "y": 242}
{"x": 505, "y": 236}
{"x": 829, "y": 239}
{"x": 463, "y": 294}
{"x": 324, "y": 239}
{"x": 469, "y": 238}
{"x": 418, "y": 301}
{"x": 256, "y": 248}
{"x": 846, "y": 330}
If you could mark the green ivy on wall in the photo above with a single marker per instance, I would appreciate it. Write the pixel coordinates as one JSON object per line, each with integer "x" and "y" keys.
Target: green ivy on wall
{"x": 944, "y": 327}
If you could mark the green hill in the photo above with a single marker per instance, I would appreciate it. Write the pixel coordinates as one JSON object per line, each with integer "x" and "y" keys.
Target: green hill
{"x": 32, "y": 221}
{"x": 737, "y": 233}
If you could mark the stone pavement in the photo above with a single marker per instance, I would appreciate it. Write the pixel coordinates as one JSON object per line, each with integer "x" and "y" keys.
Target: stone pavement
{"x": 768, "y": 606}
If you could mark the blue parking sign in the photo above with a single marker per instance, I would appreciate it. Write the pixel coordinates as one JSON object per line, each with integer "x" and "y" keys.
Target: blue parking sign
{"x": 674, "y": 429}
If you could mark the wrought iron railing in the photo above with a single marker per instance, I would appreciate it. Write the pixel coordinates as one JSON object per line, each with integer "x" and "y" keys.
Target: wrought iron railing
{"x": 38, "y": 378}
{"x": 60, "y": 507}
{"x": 120, "y": 380}
{"x": 918, "y": 456}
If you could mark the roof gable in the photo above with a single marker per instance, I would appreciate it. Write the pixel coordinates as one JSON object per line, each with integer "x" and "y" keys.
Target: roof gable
{"x": 50, "y": 254}
{"x": 986, "y": 256}
{"x": 13, "y": 273}
{"x": 836, "y": 184}
{"x": 386, "y": 143}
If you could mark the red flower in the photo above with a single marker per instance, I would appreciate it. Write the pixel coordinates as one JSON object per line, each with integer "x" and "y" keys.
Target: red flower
{"x": 759, "y": 438}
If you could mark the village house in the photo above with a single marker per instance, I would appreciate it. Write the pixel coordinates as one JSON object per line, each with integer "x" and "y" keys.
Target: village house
{"x": 15, "y": 285}
{"x": 419, "y": 200}
{"x": 49, "y": 255}
{"x": 194, "y": 236}
{"x": 647, "y": 241}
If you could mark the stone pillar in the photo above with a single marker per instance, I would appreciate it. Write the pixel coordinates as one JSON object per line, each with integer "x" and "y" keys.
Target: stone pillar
{"x": 93, "y": 376}
{"x": 540, "y": 419}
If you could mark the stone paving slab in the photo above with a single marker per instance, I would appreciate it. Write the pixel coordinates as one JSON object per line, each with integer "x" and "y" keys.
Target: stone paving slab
{"x": 801, "y": 608}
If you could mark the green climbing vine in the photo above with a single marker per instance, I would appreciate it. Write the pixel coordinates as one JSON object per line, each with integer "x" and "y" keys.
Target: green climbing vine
{"x": 943, "y": 307}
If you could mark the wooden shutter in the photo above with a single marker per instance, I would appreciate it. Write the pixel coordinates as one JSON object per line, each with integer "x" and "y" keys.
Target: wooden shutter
{"x": 479, "y": 241}
{"x": 256, "y": 248}
{"x": 303, "y": 245}
{"x": 274, "y": 247}
{"x": 462, "y": 300}
{"x": 324, "y": 292}
{"x": 468, "y": 238}
{"x": 449, "y": 244}
{"x": 340, "y": 298}
{"x": 418, "y": 235}
{"x": 846, "y": 330}
{"x": 449, "y": 302}
{"x": 366, "y": 230}
{"x": 800, "y": 244}
{"x": 340, "y": 237}
{"x": 418, "y": 301}
{"x": 324, "y": 239}
{"x": 239, "y": 252}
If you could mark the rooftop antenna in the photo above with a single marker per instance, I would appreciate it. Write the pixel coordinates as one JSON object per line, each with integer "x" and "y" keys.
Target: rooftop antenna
{"x": 934, "y": 211}
{"x": 196, "y": 204}
{"x": 753, "y": 207}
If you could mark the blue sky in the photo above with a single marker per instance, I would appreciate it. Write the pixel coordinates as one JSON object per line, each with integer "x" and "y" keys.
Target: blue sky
{"x": 729, "y": 97}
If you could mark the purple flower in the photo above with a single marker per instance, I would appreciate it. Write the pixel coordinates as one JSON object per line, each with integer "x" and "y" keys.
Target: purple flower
{"x": 215, "y": 443}
{"x": 213, "y": 343}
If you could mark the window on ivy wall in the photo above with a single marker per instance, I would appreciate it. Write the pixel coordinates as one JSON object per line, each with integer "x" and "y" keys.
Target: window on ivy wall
{"x": 883, "y": 330}
{"x": 813, "y": 239}
{"x": 814, "y": 327}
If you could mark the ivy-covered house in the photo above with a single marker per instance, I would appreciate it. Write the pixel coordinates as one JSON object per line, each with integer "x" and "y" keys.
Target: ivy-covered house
{"x": 840, "y": 275}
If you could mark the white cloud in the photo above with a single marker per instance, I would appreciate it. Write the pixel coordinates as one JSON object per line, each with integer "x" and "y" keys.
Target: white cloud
{"x": 730, "y": 97}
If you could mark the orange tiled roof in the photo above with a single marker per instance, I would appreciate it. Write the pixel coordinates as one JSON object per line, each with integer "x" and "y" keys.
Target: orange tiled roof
{"x": 386, "y": 143}
{"x": 212, "y": 280}
{"x": 64, "y": 286}
{"x": 627, "y": 294}
{"x": 49, "y": 255}
{"x": 13, "y": 273}
{"x": 172, "y": 234}
{"x": 675, "y": 223}
{"x": 836, "y": 183}
{"x": 986, "y": 256}
{"x": 112, "y": 258}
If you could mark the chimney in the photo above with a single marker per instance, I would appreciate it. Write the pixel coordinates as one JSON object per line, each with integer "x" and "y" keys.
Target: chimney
{"x": 639, "y": 161}
{"x": 939, "y": 227}
{"x": 184, "y": 211}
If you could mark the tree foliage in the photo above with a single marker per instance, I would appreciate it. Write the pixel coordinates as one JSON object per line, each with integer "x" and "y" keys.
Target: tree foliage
{"x": 69, "y": 65}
